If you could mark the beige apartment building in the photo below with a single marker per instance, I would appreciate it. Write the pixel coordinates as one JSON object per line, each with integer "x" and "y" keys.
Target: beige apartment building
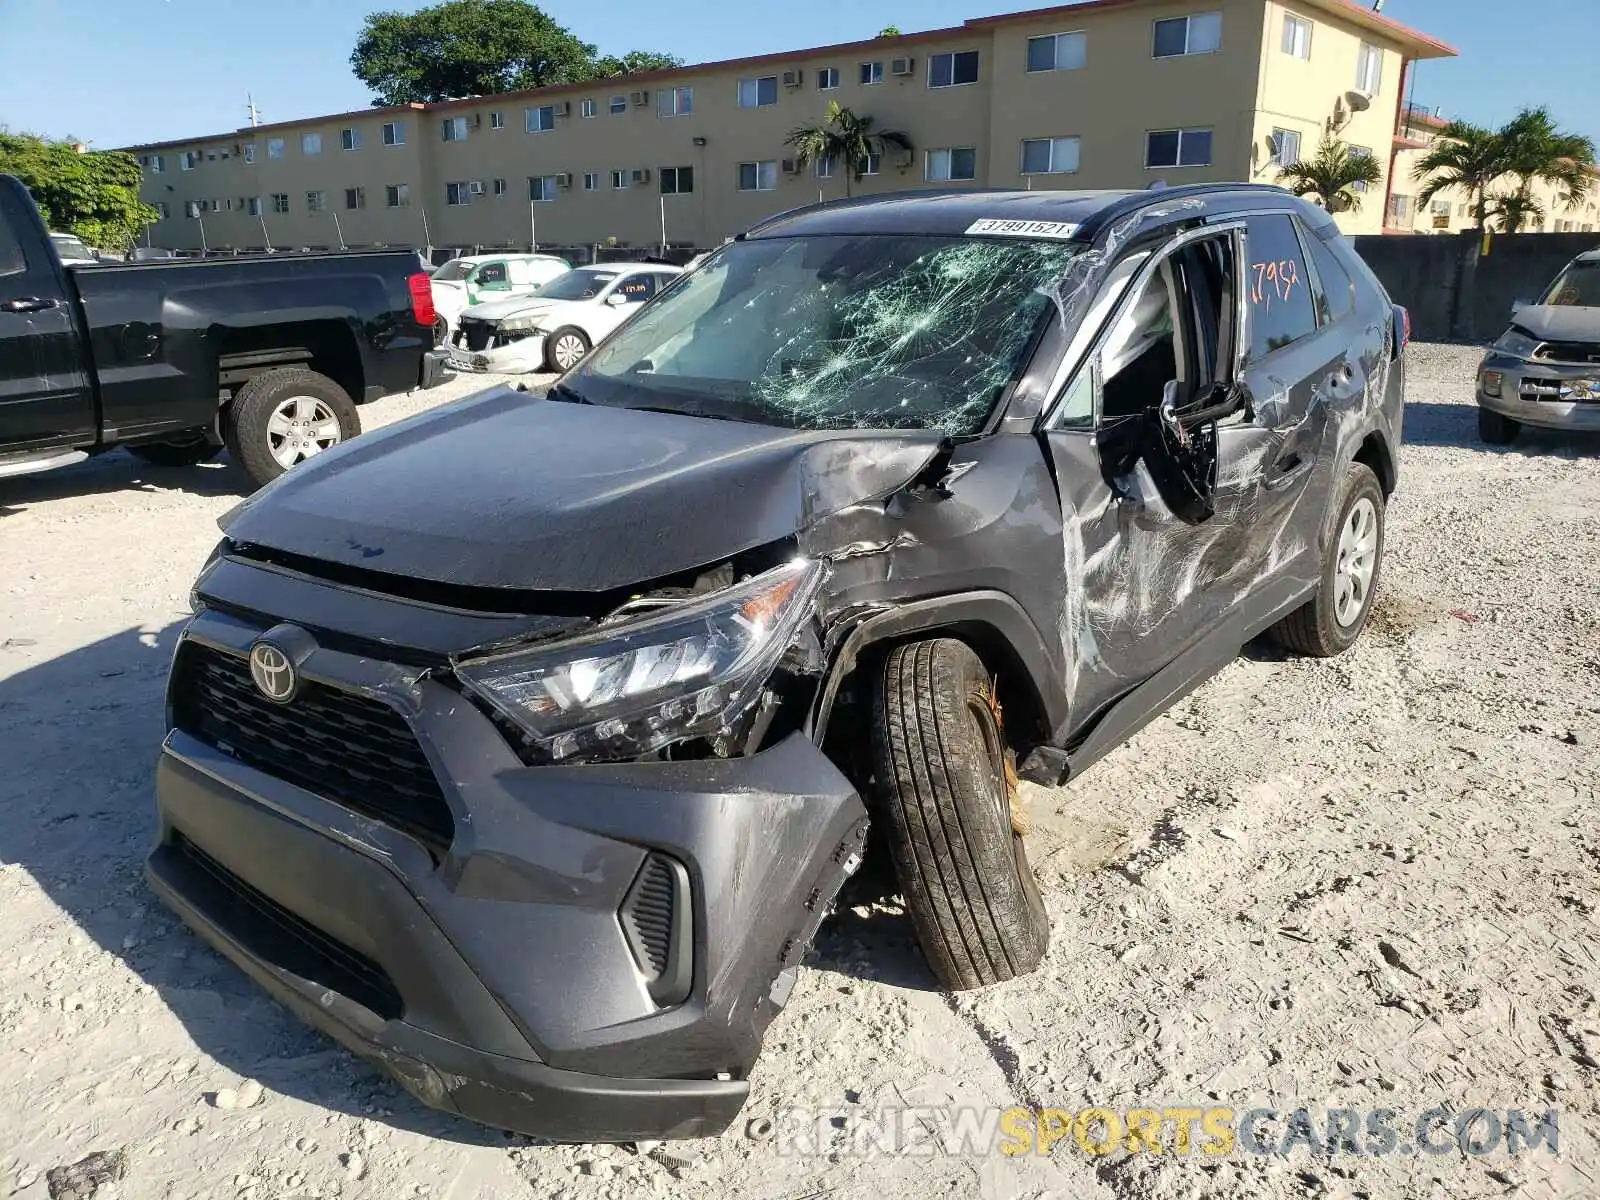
{"x": 1451, "y": 210}
{"x": 1097, "y": 94}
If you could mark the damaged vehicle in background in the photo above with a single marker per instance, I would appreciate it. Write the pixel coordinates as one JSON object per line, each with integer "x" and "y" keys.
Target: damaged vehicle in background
{"x": 524, "y": 746}
{"x": 1545, "y": 370}
{"x": 462, "y": 283}
{"x": 554, "y": 328}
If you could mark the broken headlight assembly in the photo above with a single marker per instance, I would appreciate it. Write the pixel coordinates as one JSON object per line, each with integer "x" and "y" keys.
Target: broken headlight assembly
{"x": 1516, "y": 343}
{"x": 528, "y": 323}
{"x": 686, "y": 669}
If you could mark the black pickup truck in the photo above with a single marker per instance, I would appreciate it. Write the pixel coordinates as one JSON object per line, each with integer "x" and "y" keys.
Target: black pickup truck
{"x": 268, "y": 355}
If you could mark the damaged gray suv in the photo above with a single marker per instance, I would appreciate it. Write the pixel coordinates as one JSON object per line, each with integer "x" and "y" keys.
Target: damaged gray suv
{"x": 522, "y": 747}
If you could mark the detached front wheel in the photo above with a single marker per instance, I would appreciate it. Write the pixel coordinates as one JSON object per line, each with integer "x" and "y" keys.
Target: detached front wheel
{"x": 280, "y": 419}
{"x": 945, "y": 800}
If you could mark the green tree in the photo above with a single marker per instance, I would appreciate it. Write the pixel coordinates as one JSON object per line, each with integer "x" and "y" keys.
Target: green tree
{"x": 890, "y": 31}
{"x": 1335, "y": 176}
{"x": 92, "y": 194}
{"x": 1510, "y": 212}
{"x": 1529, "y": 147}
{"x": 477, "y": 48}
{"x": 844, "y": 139}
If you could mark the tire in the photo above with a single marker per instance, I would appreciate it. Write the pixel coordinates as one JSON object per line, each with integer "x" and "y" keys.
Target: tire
{"x": 1495, "y": 429}
{"x": 186, "y": 453}
{"x": 1331, "y": 621}
{"x": 441, "y": 329}
{"x": 552, "y": 358}
{"x": 263, "y": 405}
{"x": 943, "y": 802}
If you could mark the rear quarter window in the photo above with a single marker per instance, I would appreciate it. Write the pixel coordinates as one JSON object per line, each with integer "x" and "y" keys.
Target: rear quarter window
{"x": 1280, "y": 309}
{"x": 1336, "y": 297}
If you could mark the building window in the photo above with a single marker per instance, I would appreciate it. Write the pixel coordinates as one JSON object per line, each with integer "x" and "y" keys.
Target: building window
{"x": 542, "y": 188}
{"x": 675, "y": 181}
{"x": 1049, "y": 156}
{"x": 280, "y": 202}
{"x": 873, "y": 165}
{"x": 945, "y": 166}
{"x": 316, "y": 201}
{"x": 499, "y": 187}
{"x": 675, "y": 102}
{"x": 619, "y": 179}
{"x": 1399, "y": 211}
{"x": 252, "y": 206}
{"x": 824, "y": 168}
{"x": 248, "y": 152}
{"x": 350, "y": 139}
{"x": 1058, "y": 52}
{"x": 310, "y": 143}
{"x": 871, "y": 72}
{"x": 191, "y": 208}
{"x": 1369, "y": 69}
{"x": 163, "y": 212}
{"x": 591, "y": 181}
{"x": 1199, "y": 34}
{"x": 274, "y": 148}
{"x": 158, "y": 163}
{"x": 1285, "y": 147}
{"x": 497, "y": 120}
{"x": 394, "y": 134}
{"x": 952, "y": 69}
{"x": 539, "y": 120}
{"x": 1461, "y": 212}
{"x": 453, "y": 129}
{"x": 758, "y": 93}
{"x": 1360, "y": 152}
{"x": 1296, "y": 36}
{"x": 619, "y": 105}
{"x": 827, "y": 79}
{"x": 188, "y": 159}
{"x": 588, "y": 108}
{"x": 397, "y": 195}
{"x": 457, "y": 194}
{"x": 355, "y": 197}
{"x": 1178, "y": 148}
{"x": 758, "y": 176}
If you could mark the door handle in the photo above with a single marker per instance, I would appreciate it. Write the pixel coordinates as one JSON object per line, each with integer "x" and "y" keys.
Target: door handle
{"x": 27, "y": 304}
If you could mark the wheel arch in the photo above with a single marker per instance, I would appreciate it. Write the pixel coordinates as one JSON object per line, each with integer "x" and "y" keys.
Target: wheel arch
{"x": 1375, "y": 453}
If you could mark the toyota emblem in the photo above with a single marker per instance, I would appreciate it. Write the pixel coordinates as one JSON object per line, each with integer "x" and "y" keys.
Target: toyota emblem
{"x": 273, "y": 673}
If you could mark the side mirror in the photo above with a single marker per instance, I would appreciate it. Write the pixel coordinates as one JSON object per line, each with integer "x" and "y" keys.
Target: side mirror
{"x": 616, "y": 300}
{"x": 1181, "y": 451}
{"x": 1518, "y": 305}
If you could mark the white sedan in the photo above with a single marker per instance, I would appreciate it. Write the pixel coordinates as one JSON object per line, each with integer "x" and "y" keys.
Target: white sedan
{"x": 462, "y": 283}
{"x": 555, "y": 327}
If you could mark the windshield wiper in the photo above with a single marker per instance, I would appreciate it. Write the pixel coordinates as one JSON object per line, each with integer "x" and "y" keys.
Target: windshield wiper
{"x": 567, "y": 393}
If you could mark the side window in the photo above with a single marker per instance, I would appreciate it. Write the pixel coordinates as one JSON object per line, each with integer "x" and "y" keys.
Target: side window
{"x": 638, "y": 288}
{"x": 517, "y": 271}
{"x": 12, "y": 260}
{"x": 1336, "y": 297}
{"x": 491, "y": 273}
{"x": 1279, "y": 309}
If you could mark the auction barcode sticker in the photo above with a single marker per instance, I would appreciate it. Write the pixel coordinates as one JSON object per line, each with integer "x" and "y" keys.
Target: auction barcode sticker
{"x": 995, "y": 227}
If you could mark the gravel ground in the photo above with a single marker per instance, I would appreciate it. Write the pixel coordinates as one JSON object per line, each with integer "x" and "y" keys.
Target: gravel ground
{"x": 1364, "y": 883}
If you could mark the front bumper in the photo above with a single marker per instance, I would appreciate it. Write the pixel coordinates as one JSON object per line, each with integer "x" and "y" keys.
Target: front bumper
{"x": 514, "y": 358}
{"x": 436, "y": 369}
{"x": 1546, "y": 396}
{"x": 496, "y": 979}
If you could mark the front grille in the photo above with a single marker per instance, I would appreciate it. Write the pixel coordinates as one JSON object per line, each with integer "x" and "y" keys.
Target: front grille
{"x": 1569, "y": 391}
{"x": 272, "y": 933}
{"x": 476, "y": 334}
{"x": 351, "y": 749}
{"x": 1572, "y": 352}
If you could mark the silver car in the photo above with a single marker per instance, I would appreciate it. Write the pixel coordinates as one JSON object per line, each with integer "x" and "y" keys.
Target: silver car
{"x": 1545, "y": 369}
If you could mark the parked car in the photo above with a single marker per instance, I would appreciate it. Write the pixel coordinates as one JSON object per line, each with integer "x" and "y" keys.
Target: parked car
{"x": 555, "y": 327}
{"x": 1545, "y": 369}
{"x": 72, "y": 251}
{"x": 524, "y": 747}
{"x": 463, "y": 282}
{"x": 175, "y": 358}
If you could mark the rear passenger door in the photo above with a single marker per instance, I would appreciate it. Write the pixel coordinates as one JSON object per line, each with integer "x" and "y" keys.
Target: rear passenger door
{"x": 46, "y": 396}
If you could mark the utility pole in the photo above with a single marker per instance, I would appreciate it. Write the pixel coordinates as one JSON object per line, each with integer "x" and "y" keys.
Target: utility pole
{"x": 203, "y": 247}
{"x": 265, "y": 236}
{"x": 427, "y": 238}
{"x": 250, "y": 106}
{"x": 336, "y": 228}
{"x": 663, "y": 224}
{"x": 533, "y": 226}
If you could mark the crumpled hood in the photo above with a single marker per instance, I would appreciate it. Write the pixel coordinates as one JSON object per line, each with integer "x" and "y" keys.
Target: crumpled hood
{"x": 513, "y": 306}
{"x": 510, "y": 490}
{"x": 1559, "y": 322}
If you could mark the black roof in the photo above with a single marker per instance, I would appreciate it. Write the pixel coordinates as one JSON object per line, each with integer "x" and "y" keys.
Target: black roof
{"x": 952, "y": 212}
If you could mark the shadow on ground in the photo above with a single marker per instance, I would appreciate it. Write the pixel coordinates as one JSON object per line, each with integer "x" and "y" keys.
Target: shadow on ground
{"x": 1428, "y": 424}
{"x": 79, "y": 735}
{"x": 119, "y": 471}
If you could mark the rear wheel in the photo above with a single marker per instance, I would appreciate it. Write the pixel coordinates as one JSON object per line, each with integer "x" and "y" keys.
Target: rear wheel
{"x": 565, "y": 348}
{"x": 945, "y": 800}
{"x": 1331, "y": 621}
{"x": 280, "y": 419}
{"x": 185, "y": 452}
{"x": 1497, "y": 429}
{"x": 441, "y": 329}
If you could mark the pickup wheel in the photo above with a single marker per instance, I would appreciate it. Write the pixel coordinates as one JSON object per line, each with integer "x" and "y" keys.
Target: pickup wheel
{"x": 184, "y": 453}
{"x": 284, "y": 417}
{"x": 565, "y": 348}
{"x": 1331, "y": 621}
{"x": 441, "y": 329}
{"x": 945, "y": 788}
{"x": 1495, "y": 429}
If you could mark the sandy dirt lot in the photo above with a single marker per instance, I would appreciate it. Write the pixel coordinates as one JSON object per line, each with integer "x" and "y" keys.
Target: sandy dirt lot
{"x": 1369, "y": 883}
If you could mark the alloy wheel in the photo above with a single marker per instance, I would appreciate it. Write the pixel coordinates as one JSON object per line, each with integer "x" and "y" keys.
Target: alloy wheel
{"x": 1358, "y": 559}
{"x": 300, "y": 427}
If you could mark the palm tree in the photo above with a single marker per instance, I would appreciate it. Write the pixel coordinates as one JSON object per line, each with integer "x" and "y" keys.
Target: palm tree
{"x": 1463, "y": 156}
{"x": 846, "y": 139}
{"x": 1512, "y": 210}
{"x": 1336, "y": 176}
{"x": 1537, "y": 150}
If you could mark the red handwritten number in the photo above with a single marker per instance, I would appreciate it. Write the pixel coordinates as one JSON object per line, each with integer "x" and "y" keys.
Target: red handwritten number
{"x": 1274, "y": 280}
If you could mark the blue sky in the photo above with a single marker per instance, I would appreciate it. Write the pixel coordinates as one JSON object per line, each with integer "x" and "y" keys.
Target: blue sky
{"x": 115, "y": 72}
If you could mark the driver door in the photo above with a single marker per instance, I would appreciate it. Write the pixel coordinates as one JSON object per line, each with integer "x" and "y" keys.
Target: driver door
{"x": 622, "y": 301}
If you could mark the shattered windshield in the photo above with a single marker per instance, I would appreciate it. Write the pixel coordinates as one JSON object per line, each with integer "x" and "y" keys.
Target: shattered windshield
{"x": 1578, "y": 286}
{"x": 852, "y": 331}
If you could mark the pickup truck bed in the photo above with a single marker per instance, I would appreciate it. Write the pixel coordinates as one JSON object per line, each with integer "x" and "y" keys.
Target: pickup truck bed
{"x": 177, "y": 358}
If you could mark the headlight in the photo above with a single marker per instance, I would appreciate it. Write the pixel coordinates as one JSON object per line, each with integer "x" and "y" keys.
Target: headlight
{"x": 1517, "y": 344}
{"x": 1493, "y": 382}
{"x": 687, "y": 671}
{"x": 526, "y": 324}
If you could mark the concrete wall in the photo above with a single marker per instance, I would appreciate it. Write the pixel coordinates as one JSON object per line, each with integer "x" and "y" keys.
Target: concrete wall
{"x": 1455, "y": 291}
